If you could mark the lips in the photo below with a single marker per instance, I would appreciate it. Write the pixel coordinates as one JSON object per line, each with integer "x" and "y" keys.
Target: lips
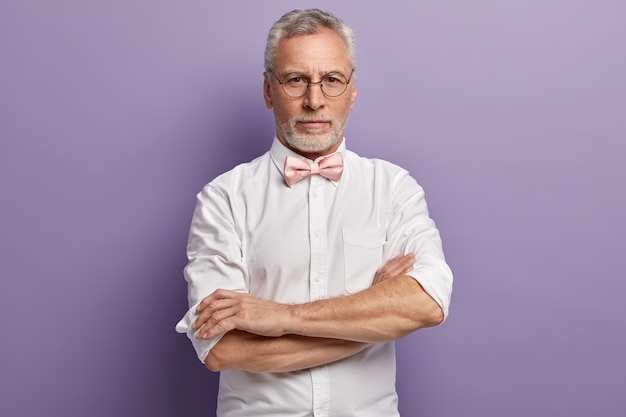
{"x": 313, "y": 124}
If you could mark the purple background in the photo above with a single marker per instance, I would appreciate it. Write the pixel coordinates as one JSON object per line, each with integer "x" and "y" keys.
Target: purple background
{"x": 511, "y": 114}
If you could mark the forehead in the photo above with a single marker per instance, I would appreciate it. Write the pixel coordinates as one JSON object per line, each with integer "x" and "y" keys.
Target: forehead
{"x": 321, "y": 52}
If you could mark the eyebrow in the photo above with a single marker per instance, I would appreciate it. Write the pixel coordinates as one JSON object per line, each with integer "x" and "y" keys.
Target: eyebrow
{"x": 309, "y": 76}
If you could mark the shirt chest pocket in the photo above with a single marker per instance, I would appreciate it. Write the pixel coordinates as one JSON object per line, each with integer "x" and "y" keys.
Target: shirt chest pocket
{"x": 363, "y": 254}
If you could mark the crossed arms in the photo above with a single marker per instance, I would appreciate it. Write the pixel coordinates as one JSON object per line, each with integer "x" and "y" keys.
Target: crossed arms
{"x": 266, "y": 336}
{"x": 258, "y": 335}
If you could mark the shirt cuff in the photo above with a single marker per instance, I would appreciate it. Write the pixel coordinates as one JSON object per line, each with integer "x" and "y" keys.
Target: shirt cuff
{"x": 437, "y": 282}
{"x": 202, "y": 346}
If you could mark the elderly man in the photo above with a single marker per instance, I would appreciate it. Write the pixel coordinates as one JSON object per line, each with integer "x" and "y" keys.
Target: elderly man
{"x": 306, "y": 263}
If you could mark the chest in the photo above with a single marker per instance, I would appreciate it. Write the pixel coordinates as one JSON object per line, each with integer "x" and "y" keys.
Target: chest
{"x": 304, "y": 237}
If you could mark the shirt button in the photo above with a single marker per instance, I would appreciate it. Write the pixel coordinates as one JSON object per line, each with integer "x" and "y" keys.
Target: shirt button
{"x": 317, "y": 278}
{"x": 316, "y": 234}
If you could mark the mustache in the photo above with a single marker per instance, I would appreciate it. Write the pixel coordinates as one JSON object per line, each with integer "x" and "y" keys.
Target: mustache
{"x": 312, "y": 117}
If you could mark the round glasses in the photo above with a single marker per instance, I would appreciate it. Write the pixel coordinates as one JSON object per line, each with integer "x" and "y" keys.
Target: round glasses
{"x": 296, "y": 84}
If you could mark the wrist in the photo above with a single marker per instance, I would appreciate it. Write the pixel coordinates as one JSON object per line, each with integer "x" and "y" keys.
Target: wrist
{"x": 293, "y": 323}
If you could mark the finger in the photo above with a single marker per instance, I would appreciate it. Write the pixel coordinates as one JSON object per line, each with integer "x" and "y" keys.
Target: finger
{"x": 210, "y": 309}
{"x": 399, "y": 265}
{"x": 214, "y": 320}
{"x": 406, "y": 258}
{"x": 395, "y": 266}
{"x": 213, "y": 328}
{"x": 215, "y": 295}
{"x": 400, "y": 260}
{"x": 408, "y": 261}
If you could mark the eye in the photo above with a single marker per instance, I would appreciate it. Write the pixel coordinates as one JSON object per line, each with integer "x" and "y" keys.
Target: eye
{"x": 334, "y": 79}
{"x": 294, "y": 80}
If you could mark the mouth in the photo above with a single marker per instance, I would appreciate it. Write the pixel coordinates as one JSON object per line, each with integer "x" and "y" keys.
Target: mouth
{"x": 313, "y": 124}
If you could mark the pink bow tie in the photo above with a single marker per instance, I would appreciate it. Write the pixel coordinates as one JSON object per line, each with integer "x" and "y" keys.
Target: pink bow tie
{"x": 296, "y": 169}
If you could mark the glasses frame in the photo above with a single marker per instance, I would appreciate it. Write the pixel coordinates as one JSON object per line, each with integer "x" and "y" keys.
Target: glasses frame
{"x": 309, "y": 82}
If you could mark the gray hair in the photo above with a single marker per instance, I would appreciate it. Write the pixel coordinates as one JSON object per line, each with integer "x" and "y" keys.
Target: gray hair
{"x": 302, "y": 22}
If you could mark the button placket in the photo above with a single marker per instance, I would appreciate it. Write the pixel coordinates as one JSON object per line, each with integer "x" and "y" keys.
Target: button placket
{"x": 318, "y": 282}
{"x": 317, "y": 238}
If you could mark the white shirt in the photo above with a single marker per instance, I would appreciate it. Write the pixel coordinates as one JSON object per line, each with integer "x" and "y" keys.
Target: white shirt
{"x": 316, "y": 239}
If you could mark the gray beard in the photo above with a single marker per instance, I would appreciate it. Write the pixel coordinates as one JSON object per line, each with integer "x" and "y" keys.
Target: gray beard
{"x": 309, "y": 143}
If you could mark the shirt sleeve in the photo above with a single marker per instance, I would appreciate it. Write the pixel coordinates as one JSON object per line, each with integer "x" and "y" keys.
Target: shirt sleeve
{"x": 412, "y": 230}
{"x": 214, "y": 260}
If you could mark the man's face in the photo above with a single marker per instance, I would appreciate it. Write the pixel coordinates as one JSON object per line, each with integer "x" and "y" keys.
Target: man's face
{"x": 311, "y": 125}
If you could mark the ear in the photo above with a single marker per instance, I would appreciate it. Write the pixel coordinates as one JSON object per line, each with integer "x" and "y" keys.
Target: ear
{"x": 267, "y": 93}
{"x": 353, "y": 94}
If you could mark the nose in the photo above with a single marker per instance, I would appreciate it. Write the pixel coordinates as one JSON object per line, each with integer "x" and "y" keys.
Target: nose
{"x": 314, "y": 98}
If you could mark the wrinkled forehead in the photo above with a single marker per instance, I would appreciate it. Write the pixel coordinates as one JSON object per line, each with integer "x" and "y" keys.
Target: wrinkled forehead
{"x": 317, "y": 53}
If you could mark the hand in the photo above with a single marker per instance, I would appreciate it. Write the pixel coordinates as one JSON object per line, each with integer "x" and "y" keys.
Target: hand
{"x": 394, "y": 267}
{"x": 226, "y": 310}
